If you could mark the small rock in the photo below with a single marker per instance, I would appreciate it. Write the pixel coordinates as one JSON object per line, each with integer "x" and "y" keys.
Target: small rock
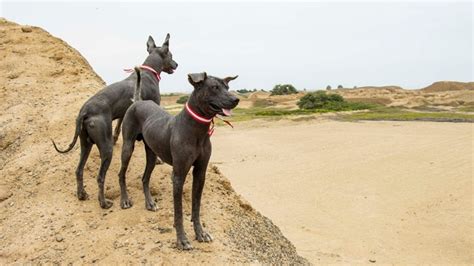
{"x": 372, "y": 261}
{"x": 26, "y": 29}
{"x": 59, "y": 238}
{"x": 164, "y": 230}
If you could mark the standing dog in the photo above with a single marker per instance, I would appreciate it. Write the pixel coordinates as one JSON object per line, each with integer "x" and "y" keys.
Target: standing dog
{"x": 94, "y": 122}
{"x": 181, "y": 141}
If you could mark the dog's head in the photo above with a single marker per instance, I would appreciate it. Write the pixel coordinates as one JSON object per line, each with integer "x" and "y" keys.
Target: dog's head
{"x": 161, "y": 56}
{"x": 211, "y": 95}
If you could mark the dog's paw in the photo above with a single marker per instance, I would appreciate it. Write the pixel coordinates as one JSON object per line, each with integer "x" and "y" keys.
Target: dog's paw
{"x": 82, "y": 195}
{"x": 106, "y": 204}
{"x": 204, "y": 236}
{"x": 151, "y": 206}
{"x": 126, "y": 203}
{"x": 183, "y": 244}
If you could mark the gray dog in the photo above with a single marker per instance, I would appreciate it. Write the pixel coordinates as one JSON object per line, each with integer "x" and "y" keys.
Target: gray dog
{"x": 94, "y": 122}
{"x": 181, "y": 141}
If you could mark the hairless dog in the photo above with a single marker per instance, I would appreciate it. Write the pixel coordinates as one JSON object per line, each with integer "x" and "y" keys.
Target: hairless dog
{"x": 181, "y": 141}
{"x": 94, "y": 122}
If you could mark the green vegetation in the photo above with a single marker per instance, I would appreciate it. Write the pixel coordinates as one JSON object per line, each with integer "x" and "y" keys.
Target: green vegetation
{"x": 466, "y": 108}
{"x": 398, "y": 114}
{"x": 183, "y": 99}
{"x": 331, "y": 102}
{"x": 284, "y": 89}
{"x": 243, "y": 91}
{"x": 243, "y": 114}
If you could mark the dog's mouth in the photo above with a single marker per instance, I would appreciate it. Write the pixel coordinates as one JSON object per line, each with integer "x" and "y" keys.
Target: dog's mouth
{"x": 170, "y": 69}
{"x": 221, "y": 110}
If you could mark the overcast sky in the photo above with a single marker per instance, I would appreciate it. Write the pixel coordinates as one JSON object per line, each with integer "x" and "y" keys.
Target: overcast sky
{"x": 308, "y": 44}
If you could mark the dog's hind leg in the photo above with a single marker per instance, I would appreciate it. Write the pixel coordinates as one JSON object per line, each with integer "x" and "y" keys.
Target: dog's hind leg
{"x": 199, "y": 177}
{"x": 105, "y": 150}
{"x": 117, "y": 129}
{"x": 86, "y": 147}
{"x": 127, "y": 150}
{"x": 99, "y": 129}
{"x": 150, "y": 165}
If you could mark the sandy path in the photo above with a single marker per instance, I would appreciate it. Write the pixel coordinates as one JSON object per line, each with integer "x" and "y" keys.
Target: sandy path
{"x": 393, "y": 192}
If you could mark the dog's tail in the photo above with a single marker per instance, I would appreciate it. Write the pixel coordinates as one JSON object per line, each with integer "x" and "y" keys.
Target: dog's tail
{"x": 137, "y": 96}
{"x": 79, "y": 121}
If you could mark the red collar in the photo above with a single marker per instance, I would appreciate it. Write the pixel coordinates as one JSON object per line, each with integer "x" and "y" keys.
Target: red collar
{"x": 197, "y": 117}
{"x": 156, "y": 73}
{"x": 203, "y": 120}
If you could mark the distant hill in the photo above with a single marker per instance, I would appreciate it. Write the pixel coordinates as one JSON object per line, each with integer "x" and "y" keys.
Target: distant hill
{"x": 449, "y": 86}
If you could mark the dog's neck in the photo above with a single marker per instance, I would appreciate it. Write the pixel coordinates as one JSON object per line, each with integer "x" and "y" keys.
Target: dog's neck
{"x": 155, "y": 62}
{"x": 200, "y": 126}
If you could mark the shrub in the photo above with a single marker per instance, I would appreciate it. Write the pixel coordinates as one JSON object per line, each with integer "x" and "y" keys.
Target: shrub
{"x": 340, "y": 87}
{"x": 284, "y": 89}
{"x": 183, "y": 99}
{"x": 328, "y": 87}
{"x": 320, "y": 100}
{"x": 243, "y": 91}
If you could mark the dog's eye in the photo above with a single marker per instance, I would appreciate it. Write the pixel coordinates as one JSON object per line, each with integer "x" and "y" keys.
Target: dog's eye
{"x": 215, "y": 87}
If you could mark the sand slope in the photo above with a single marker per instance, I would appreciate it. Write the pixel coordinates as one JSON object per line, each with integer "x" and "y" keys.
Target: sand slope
{"x": 43, "y": 83}
{"x": 390, "y": 192}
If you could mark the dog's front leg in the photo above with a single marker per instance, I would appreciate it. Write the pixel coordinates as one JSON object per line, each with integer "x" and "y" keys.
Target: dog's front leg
{"x": 199, "y": 178}
{"x": 182, "y": 241}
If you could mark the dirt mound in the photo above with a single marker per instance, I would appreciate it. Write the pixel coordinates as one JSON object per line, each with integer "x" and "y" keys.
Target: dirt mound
{"x": 43, "y": 84}
{"x": 449, "y": 86}
{"x": 440, "y": 95}
{"x": 443, "y": 95}
{"x": 391, "y": 89}
{"x": 259, "y": 95}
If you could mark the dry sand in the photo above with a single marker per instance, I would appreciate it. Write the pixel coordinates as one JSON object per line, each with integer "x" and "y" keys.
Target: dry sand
{"x": 390, "y": 192}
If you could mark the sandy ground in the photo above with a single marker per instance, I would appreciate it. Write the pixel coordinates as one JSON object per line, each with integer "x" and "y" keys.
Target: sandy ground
{"x": 390, "y": 192}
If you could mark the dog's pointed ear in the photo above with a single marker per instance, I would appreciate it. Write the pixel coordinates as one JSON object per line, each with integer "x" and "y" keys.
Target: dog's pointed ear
{"x": 150, "y": 44}
{"x": 165, "y": 47}
{"x": 228, "y": 79}
{"x": 196, "y": 78}
{"x": 167, "y": 40}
